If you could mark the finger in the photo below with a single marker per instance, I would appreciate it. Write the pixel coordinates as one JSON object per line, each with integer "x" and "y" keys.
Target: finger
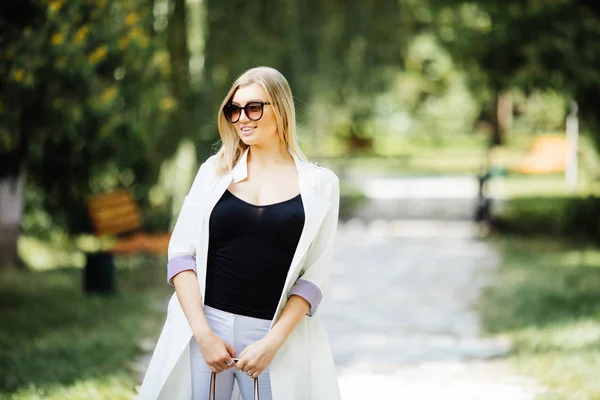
{"x": 254, "y": 374}
{"x": 218, "y": 368}
{"x": 243, "y": 353}
{"x": 230, "y": 350}
{"x": 223, "y": 366}
{"x": 240, "y": 364}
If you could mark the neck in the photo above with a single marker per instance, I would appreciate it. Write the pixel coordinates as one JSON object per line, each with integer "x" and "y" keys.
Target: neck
{"x": 269, "y": 154}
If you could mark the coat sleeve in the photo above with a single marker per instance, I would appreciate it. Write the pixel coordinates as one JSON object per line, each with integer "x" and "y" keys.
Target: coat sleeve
{"x": 182, "y": 245}
{"x": 313, "y": 279}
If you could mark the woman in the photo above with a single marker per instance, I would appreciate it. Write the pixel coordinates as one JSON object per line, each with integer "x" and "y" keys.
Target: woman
{"x": 249, "y": 259}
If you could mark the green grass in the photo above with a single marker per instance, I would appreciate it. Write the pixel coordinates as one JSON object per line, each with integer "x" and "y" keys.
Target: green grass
{"x": 551, "y": 185}
{"x": 454, "y": 154}
{"x": 58, "y": 343}
{"x": 546, "y": 298}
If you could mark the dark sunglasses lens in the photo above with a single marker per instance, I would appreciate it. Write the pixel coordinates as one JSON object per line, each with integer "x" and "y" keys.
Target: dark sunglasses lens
{"x": 254, "y": 110}
{"x": 232, "y": 112}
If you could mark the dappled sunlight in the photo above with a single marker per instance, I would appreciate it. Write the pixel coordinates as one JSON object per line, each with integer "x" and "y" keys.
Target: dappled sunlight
{"x": 578, "y": 335}
{"x": 589, "y": 257}
{"x": 42, "y": 255}
{"x": 109, "y": 386}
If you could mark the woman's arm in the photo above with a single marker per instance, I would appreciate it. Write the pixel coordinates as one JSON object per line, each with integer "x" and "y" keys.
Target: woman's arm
{"x": 215, "y": 351}
{"x": 188, "y": 294}
{"x": 292, "y": 313}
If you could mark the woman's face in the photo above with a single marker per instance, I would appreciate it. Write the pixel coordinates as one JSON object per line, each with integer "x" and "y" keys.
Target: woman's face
{"x": 254, "y": 132}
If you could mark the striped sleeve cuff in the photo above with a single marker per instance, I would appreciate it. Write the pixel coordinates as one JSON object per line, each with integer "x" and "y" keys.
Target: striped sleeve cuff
{"x": 309, "y": 292}
{"x": 178, "y": 264}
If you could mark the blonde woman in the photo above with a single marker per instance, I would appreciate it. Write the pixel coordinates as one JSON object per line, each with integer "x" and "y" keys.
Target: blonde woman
{"x": 249, "y": 259}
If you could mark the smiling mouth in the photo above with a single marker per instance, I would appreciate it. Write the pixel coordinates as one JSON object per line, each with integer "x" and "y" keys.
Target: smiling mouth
{"x": 247, "y": 130}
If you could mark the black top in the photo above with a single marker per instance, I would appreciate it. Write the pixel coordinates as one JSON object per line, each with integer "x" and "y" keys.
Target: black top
{"x": 249, "y": 254}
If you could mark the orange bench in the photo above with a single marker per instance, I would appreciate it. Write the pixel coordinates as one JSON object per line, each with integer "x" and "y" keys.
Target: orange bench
{"x": 117, "y": 214}
{"x": 547, "y": 155}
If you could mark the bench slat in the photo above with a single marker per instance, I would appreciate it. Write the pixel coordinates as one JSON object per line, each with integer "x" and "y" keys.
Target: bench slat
{"x": 114, "y": 213}
{"x": 111, "y": 199}
{"x": 117, "y": 226}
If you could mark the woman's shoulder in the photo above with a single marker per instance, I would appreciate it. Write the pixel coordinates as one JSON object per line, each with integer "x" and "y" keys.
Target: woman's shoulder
{"x": 212, "y": 161}
{"x": 206, "y": 172}
{"x": 325, "y": 175}
{"x": 209, "y": 166}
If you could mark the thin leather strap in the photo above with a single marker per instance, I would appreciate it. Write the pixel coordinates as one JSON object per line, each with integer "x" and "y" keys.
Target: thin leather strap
{"x": 211, "y": 393}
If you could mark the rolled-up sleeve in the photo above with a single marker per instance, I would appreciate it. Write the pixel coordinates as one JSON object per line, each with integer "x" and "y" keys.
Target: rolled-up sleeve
{"x": 179, "y": 264}
{"x": 309, "y": 292}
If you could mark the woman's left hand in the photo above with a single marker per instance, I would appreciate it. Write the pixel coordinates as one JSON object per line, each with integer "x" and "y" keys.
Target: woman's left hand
{"x": 256, "y": 357}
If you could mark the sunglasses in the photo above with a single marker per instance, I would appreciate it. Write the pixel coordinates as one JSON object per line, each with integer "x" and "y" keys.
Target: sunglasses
{"x": 253, "y": 110}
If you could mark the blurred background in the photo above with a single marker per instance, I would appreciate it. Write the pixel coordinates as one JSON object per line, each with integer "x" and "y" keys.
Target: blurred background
{"x": 465, "y": 134}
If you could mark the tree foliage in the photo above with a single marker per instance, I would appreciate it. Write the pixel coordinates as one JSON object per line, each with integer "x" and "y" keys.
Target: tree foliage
{"x": 84, "y": 99}
{"x": 337, "y": 54}
{"x": 531, "y": 44}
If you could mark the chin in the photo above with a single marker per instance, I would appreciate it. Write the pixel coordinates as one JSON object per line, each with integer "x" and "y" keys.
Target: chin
{"x": 248, "y": 140}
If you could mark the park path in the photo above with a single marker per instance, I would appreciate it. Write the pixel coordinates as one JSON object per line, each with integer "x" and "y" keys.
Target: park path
{"x": 407, "y": 273}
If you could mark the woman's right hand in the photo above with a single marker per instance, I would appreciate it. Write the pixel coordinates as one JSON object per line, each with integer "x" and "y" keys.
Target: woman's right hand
{"x": 216, "y": 352}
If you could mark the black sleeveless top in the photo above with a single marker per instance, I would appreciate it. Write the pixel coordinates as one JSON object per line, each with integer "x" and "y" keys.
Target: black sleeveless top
{"x": 249, "y": 254}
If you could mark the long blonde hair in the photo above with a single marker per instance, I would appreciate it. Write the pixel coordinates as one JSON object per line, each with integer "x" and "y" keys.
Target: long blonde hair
{"x": 280, "y": 95}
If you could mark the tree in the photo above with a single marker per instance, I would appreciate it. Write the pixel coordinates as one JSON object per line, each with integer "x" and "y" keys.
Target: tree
{"x": 528, "y": 44}
{"x": 331, "y": 53}
{"x": 82, "y": 107}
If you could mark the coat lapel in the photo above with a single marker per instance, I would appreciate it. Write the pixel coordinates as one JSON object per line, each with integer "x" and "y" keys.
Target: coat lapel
{"x": 315, "y": 209}
{"x": 218, "y": 187}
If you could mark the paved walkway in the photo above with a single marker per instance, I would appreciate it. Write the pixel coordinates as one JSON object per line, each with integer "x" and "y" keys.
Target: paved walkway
{"x": 418, "y": 197}
{"x": 400, "y": 316}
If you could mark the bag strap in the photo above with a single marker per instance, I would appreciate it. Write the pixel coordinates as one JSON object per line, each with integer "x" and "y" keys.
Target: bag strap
{"x": 211, "y": 394}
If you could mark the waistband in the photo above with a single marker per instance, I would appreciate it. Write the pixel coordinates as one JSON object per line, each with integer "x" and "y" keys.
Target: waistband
{"x": 208, "y": 310}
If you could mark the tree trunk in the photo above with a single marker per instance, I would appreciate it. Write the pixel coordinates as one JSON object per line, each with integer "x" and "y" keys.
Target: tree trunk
{"x": 180, "y": 58}
{"x": 502, "y": 111}
{"x": 177, "y": 44}
{"x": 11, "y": 211}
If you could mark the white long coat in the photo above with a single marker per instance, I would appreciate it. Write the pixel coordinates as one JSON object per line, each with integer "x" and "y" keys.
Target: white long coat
{"x": 303, "y": 368}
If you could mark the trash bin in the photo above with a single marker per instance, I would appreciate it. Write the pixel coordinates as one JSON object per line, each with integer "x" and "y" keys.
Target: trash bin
{"x": 99, "y": 275}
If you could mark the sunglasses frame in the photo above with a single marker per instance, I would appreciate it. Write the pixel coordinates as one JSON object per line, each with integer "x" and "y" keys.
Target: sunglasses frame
{"x": 245, "y": 109}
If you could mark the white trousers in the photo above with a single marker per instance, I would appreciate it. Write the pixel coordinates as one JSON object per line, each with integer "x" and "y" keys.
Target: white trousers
{"x": 239, "y": 331}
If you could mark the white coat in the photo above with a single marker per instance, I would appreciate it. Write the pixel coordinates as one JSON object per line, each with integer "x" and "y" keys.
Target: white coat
{"x": 303, "y": 368}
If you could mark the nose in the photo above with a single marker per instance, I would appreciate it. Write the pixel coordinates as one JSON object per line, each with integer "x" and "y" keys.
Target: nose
{"x": 243, "y": 116}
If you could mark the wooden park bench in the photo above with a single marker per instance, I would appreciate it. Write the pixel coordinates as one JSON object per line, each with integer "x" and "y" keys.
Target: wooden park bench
{"x": 547, "y": 156}
{"x": 117, "y": 214}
